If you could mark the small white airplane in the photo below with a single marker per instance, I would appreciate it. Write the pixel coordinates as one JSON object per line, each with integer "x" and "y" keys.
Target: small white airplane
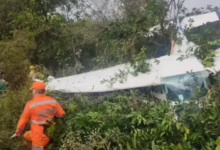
{"x": 168, "y": 76}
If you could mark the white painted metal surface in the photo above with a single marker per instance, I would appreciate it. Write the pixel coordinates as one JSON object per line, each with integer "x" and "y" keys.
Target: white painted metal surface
{"x": 198, "y": 20}
{"x": 92, "y": 81}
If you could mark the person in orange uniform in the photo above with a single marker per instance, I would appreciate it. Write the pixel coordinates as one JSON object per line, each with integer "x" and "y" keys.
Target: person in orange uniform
{"x": 40, "y": 109}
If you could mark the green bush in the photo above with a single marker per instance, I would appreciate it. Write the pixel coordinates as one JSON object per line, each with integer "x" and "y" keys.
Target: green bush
{"x": 11, "y": 106}
{"x": 14, "y": 58}
{"x": 120, "y": 120}
{"x": 133, "y": 121}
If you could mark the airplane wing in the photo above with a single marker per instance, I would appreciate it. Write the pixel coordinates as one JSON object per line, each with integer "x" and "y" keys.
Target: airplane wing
{"x": 92, "y": 82}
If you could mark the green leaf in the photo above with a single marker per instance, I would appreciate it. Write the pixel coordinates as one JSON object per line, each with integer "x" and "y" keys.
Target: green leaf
{"x": 186, "y": 130}
{"x": 134, "y": 141}
{"x": 128, "y": 147}
{"x": 218, "y": 147}
{"x": 72, "y": 107}
{"x": 178, "y": 125}
{"x": 218, "y": 141}
{"x": 153, "y": 147}
{"x": 164, "y": 122}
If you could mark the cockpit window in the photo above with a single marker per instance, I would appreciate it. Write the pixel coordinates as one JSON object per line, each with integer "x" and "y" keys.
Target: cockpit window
{"x": 186, "y": 86}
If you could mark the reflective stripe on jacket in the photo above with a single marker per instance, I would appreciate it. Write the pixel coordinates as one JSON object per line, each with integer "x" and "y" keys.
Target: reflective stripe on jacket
{"x": 38, "y": 110}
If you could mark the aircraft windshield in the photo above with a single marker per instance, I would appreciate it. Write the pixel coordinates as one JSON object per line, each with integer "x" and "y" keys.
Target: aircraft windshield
{"x": 187, "y": 86}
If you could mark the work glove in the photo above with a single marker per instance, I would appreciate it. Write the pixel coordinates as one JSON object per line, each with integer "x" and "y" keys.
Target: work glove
{"x": 14, "y": 136}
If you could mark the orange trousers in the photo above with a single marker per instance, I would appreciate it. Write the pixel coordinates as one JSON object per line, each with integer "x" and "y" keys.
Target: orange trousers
{"x": 36, "y": 144}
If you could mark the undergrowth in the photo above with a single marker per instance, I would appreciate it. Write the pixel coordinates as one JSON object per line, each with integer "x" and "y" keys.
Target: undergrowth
{"x": 121, "y": 121}
{"x": 134, "y": 121}
{"x": 11, "y": 106}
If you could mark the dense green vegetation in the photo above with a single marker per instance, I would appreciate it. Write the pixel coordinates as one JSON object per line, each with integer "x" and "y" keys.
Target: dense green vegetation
{"x": 134, "y": 121}
{"x": 40, "y": 32}
{"x": 122, "y": 120}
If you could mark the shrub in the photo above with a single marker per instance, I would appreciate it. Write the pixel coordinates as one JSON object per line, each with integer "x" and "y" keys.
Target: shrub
{"x": 133, "y": 121}
{"x": 120, "y": 120}
{"x": 11, "y": 107}
{"x": 14, "y": 58}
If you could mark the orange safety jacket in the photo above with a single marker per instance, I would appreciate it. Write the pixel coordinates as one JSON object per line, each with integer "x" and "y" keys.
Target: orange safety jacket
{"x": 38, "y": 110}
